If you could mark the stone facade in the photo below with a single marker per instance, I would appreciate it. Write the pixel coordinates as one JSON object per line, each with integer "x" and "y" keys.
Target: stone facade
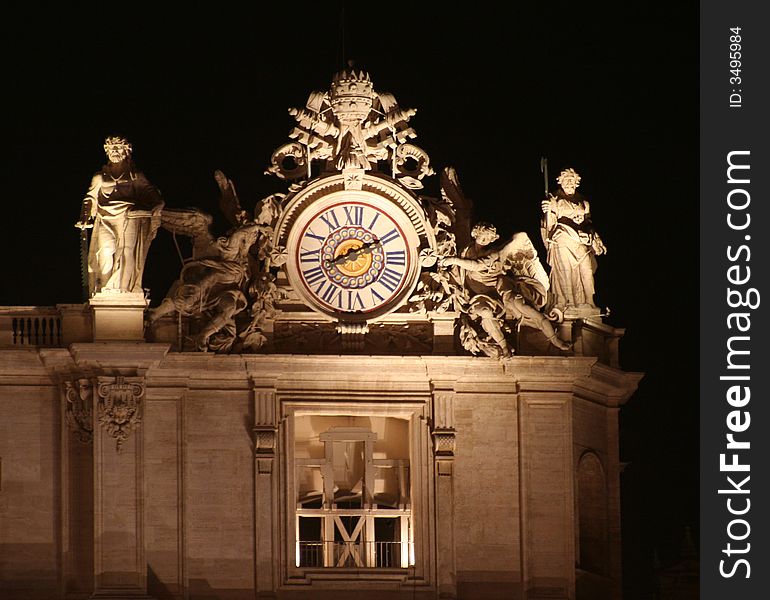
{"x": 301, "y": 417}
{"x": 506, "y": 461}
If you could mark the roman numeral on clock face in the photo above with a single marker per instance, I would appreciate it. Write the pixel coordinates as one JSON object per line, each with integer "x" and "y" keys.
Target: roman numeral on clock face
{"x": 330, "y": 218}
{"x": 313, "y": 256}
{"x": 328, "y": 295}
{"x": 310, "y": 234}
{"x": 355, "y": 302}
{"x": 396, "y": 257}
{"x": 389, "y": 237}
{"x": 314, "y": 275}
{"x": 354, "y": 215}
{"x": 390, "y": 279}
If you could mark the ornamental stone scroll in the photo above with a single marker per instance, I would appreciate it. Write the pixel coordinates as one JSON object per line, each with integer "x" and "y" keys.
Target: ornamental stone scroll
{"x": 119, "y": 406}
{"x": 78, "y": 411}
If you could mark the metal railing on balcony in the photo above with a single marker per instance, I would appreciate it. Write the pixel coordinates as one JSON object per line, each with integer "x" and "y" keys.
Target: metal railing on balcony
{"x": 352, "y": 554}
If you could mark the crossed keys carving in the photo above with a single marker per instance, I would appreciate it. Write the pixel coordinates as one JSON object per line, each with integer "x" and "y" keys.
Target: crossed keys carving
{"x": 352, "y": 541}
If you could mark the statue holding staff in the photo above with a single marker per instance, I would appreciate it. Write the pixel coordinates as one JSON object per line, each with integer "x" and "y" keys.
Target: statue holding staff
{"x": 572, "y": 245}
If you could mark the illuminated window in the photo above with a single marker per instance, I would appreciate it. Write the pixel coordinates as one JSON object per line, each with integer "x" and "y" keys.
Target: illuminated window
{"x": 352, "y": 487}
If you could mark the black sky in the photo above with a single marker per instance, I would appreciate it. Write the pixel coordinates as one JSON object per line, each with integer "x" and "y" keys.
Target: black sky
{"x": 609, "y": 89}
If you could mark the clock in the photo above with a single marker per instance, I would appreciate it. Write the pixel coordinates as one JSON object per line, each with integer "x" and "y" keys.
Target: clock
{"x": 353, "y": 254}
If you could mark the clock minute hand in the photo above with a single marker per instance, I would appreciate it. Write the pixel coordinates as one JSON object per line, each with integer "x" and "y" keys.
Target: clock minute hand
{"x": 356, "y": 253}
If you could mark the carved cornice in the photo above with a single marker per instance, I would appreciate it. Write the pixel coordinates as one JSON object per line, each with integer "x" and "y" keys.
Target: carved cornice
{"x": 119, "y": 407}
{"x": 607, "y": 386}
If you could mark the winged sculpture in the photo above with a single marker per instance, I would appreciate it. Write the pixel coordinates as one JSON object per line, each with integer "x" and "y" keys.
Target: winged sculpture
{"x": 224, "y": 275}
{"x": 487, "y": 283}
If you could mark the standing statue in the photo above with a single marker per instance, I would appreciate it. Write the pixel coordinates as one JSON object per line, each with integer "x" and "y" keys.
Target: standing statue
{"x": 502, "y": 281}
{"x": 572, "y": 245}
{"x": 123, "y": 208}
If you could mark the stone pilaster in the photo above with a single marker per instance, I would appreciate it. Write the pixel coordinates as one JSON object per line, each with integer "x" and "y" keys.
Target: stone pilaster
{"x": 120, "y": 568}
{"x": 265, "y": 445}
{"x": 547, "y": 499}
{"x": 444, "y": 454}
{"x": 77, "y": 476}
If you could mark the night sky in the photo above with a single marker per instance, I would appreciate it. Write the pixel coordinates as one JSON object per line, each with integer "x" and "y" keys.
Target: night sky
{"x": 612, "y": 93}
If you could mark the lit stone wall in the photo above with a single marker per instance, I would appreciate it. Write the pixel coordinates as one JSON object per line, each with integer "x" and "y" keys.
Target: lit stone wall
{"x": 219, "y": 493}
{"x": 196, "y": 503}
{"x": 30, "y": 502}
{"x": 487, "y": 510}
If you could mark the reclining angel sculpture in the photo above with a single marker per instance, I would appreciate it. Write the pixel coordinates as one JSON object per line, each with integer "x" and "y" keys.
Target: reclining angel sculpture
{"x": 487, "y": 283}
{"x": 499, "y": 282}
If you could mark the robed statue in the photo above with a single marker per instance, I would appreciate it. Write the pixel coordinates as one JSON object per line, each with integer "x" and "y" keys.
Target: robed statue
{"x": 572, "y": 245}
{"x": 123, "y": 208}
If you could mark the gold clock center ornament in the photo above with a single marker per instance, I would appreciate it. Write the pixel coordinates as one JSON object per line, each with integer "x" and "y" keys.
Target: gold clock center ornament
{"x": 356, "y": 258}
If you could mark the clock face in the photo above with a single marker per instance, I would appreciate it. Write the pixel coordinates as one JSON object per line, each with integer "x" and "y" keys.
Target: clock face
{"x": 353, "y": 257}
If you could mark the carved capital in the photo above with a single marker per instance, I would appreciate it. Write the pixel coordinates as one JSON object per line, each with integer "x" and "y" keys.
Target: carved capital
{"x": 264, "y": 440}
{"x": 119, "y": 405}
{"x": 78, "y": 412}
{"x": 444, "y": 443}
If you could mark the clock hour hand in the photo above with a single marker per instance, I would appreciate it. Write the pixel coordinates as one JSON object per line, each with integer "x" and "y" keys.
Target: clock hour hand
{"x": 355, "y": 253}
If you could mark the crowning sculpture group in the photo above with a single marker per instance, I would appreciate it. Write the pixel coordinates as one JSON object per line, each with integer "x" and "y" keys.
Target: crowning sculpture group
{"x": 229, "y": 288}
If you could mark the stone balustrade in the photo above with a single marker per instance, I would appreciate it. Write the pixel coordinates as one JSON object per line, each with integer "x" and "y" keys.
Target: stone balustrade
{"x": 44, "y": 326}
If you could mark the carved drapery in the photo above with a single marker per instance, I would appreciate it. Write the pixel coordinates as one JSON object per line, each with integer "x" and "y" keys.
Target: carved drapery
{"x": 119, "y": 405}
{"x": 78, "y": 412}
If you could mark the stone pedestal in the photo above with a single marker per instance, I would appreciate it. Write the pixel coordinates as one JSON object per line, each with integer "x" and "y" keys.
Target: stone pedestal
{"x": 118, "y": 316}
{"x": 76, "y": 323}
{"x": 443, "y": 332}
{"x": 265, "y": 501}
{"x": 570, "y": 327}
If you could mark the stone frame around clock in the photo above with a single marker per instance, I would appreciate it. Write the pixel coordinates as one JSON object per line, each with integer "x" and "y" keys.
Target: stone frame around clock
{"x": 383, "y": 193}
